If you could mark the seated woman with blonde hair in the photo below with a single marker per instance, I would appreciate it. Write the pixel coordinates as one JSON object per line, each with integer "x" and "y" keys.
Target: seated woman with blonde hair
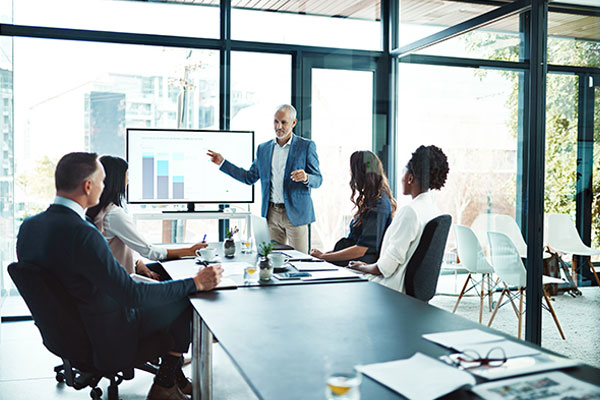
{"x": 375, "y": 207}
{"x": 118, "y": 228}
{"x": 426, "y": 170}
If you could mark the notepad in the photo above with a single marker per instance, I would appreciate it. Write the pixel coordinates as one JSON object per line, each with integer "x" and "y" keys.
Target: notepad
{"x": 408, "y": 377}
{"x": 308, "y": 266}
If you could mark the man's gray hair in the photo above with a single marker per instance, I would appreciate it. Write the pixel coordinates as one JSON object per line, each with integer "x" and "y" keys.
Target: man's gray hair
{"x": 290, "y": 108}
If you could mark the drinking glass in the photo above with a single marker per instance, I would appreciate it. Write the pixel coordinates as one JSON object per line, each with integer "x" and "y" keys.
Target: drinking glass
{"x": 250, "y": 274}
{"x": 343, "y": 385}
{"x": 247, "y": 246}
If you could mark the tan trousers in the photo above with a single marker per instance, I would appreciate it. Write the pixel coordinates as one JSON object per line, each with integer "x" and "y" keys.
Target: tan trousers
{"x": 282, "y": 231}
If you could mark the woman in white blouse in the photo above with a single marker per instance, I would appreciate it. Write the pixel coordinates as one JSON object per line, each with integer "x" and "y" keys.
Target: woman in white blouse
{"x": 427, "y": 169}
{"x": 118, "y": 228}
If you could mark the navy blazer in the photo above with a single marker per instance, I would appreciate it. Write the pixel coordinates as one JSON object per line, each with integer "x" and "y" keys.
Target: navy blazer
{"x": 77, "y": 254}
{"x": 296, "y": 195}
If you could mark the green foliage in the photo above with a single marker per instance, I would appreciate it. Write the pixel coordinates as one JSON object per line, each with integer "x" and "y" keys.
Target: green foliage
{"x": 561, "y": 117}
{"x": 229, "y": 233}
{"x": 264, "y": 248}
{"x": 38, "y": 186}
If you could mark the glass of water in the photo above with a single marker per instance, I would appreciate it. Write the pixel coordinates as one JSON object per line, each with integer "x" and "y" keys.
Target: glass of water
{"x": 247, "y": 246}
{"x": 343, "y": 385}
{"x": 250, "y": 274}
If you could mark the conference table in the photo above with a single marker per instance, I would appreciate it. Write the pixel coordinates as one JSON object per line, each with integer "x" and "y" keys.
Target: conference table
{"x": 282, "y": 337}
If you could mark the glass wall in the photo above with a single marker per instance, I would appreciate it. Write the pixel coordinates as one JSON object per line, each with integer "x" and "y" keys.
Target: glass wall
{"x": 259, "y": 83}
{"x": 7, "y": 244}
{"x": 157, "y": 18}
{"x": 596, "y": 176}
{"x": 341, "y": 123}
{"x": 561, "y": 144}
{"x": 86, "y": 102}
{"x": 421, "y": 18}
{"x": 352, "y": 24}
{"x": 471, "y": 115}
{"x": 573, "y": 40}
{"x": 497, "y": 41}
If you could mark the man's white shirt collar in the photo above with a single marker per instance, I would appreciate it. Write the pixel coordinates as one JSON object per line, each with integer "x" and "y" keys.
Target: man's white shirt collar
{"x": 73, "y": 205}
{"x": 289, "y": 142}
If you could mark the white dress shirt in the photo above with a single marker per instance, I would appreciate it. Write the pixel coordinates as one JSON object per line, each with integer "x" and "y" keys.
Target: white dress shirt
{"x": 73, "y": 205}
{"x": 280, "y": 156}
{"x": 120, "y": 224}
{"x": 402, "y": 238}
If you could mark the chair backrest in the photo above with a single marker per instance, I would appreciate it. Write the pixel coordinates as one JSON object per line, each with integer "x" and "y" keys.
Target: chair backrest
{"x": 54, "y": 313}
{"x": 260, "y": 230}
{"x": 562, "y": 235}
{"x": 481, "y": 225}
{"x": 423, "y": 269}
{"x": 507, "y": 225}
{"x": 470, "y": 252}
{"x": 507, "y": 260}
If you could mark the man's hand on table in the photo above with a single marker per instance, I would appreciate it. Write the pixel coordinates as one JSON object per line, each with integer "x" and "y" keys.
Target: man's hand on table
{"x": 208, "y": 277}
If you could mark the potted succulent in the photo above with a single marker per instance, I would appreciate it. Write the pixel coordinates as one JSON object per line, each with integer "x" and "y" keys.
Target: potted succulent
{"x": 264, "y": 265}
{"x": 229, "y": 244}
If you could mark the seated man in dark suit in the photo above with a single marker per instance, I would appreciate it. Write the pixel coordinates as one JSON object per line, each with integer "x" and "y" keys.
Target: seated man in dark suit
{"x": 117, "y": 312}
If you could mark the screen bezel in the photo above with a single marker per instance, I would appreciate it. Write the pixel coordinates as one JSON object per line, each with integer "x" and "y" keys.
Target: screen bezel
{"x": 150, "y": 202}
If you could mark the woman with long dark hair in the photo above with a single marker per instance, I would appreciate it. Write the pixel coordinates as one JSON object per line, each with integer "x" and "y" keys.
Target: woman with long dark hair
{"x": 427, "y": 170}
{"x": 118, "y": 228}
{"x": 374, "y": 204}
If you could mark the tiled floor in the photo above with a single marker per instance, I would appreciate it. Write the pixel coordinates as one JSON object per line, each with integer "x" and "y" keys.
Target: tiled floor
{"x": 26, "y": 371}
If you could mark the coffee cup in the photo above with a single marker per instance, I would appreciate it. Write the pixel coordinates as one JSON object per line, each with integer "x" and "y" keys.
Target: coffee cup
{"x": 207, "y": 253}
{"x": 277, "y": 259}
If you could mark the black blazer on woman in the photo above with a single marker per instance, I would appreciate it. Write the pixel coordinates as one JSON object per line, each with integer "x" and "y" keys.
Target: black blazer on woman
{"x": 108, "y": 299}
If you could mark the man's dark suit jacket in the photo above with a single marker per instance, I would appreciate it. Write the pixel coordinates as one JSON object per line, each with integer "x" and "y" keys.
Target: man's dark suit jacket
{"x": 108, "y": 299}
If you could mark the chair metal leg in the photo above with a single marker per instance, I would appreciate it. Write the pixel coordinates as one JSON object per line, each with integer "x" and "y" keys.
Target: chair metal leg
{"x": 594, "y": 272}
{"x": 490, "y": 292}
{"x": 462, "y": 292}
{"x": 497, "y": 307}
{"x": 520, "y": 311}
{"x": 551, "y": 309}
{"x": 481, "y": 296}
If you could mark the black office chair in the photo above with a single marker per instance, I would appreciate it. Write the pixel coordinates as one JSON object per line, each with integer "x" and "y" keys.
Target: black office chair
{"x": 423, "y": 269}
{"x": 64, "y": 334}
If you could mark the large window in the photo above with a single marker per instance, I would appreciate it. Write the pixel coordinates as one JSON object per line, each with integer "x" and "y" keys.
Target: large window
{"x": 86, "y": 101}
{"x": 472, "y": 115}
{"x": 341, "y": 123}
{"x": 259, "y": 83}
{"x": 574, "y": 39}
{"x": 349, "y": 24}
{"x": 7, "y": 244}
{"x": 158, "y": 18}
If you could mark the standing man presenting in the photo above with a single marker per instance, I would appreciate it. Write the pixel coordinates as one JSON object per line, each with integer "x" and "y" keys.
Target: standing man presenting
{"x": 288, "y": 167}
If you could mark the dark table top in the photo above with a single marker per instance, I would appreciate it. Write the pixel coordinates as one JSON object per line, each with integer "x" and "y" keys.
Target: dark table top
{"x": 281, "y": 337}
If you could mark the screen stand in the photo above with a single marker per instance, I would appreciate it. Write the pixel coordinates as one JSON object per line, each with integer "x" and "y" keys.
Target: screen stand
{"x": 191, "y": 209}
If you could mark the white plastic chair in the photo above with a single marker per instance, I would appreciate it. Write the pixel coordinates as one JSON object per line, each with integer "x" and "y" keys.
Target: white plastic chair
{"x": 562, "y": 236}
{"x": 473, "y": 259}
{"x": 510, "y": 269}
{"x": 507, "y": 225}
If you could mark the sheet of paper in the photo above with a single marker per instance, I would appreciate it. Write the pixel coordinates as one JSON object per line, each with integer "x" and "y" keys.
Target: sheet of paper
{"x": 182, "y": 269}
{"x": 546, "y": 386}
{"x": 408, "y": 378}
{"x": 452, "y": 339}
{"x": 293, "y": 254}
{"x": 511, "y": 349}
{"x": 227, "y": 283}
{"x": 341, "y": 273}
{"x": 308, "y": 266}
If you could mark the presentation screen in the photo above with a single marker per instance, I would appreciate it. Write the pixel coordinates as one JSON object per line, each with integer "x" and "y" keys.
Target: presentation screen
{"x": 171, "y": 166}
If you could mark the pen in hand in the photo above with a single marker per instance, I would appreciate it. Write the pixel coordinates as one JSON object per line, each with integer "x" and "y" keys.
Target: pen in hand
{"x": 204, "y": 238}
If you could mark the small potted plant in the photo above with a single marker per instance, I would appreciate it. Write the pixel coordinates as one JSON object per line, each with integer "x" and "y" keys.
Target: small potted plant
{"x": 264, "y": 264}
{"x": 229, "y": 244}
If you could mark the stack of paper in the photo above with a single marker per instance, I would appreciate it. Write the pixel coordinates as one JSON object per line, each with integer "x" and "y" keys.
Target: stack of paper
{"x": 408, "y": 377}
{"x": 521, "y": 359}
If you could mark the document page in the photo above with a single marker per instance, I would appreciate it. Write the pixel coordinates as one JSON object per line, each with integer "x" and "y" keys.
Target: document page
{"x": 419, "y": 377}
{"x": 546, "y": 386}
